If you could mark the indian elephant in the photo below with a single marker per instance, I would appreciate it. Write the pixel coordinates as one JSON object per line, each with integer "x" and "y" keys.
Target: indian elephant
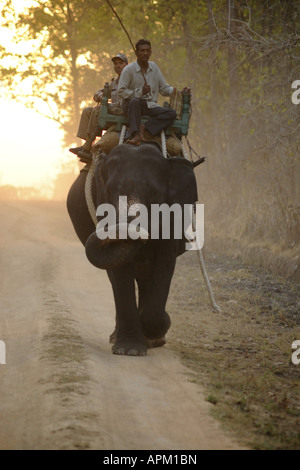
{"x": 145, "y": 177}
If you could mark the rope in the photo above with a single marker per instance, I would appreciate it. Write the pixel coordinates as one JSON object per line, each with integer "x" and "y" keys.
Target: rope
{"x": 184, "y": 151}
{"x": 199, "y": 250}
{"x": 191, "y": 150}
{"x": 203, "y": 268}
{"x": 88, "y": 190}
{"x": 207, "y": 281}
{"x": 122, "y": 135}
{"x": 164, "y": 144}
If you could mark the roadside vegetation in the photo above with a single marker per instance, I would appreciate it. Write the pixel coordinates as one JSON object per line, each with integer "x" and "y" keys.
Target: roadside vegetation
{"x": 241, "y": 357}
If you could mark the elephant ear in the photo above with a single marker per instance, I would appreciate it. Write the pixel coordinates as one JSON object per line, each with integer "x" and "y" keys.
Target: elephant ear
{"x": 100, "y": 178}
{"x": 182, "y": 182}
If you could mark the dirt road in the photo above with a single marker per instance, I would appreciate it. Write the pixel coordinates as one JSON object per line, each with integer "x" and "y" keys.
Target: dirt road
{"x": 61, "y": 387}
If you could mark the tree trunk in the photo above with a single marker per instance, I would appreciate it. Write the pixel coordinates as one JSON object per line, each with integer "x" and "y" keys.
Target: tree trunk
{"x": 233, "y": 83}
{"x": 71, "y": 29}
{"x": 214, "y": 100}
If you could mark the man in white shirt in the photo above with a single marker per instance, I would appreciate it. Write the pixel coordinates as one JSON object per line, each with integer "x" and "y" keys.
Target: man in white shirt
{"x": 139, "y": 86}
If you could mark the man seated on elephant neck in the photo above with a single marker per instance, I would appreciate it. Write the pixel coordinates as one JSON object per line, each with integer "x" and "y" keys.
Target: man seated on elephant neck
{"x": 139, "y": 86}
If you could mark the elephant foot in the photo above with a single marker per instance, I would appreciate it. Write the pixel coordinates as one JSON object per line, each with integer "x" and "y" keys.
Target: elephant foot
{"x": 129, "y": 349}
{"x": 156, "y": 343}
{"x": 155, "y": 328}
{"x": 150, "y": 343}
{"x": 113, "y": 337}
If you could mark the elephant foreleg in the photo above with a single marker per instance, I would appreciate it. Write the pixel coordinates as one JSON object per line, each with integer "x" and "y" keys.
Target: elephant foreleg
{"x": 143, "y": 277}
{"x": 129, "y": 339}
{"x": 155, "y": 320}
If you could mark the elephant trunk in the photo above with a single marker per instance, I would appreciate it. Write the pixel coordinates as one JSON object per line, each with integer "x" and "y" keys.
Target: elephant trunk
{"x": 110, "y": 253}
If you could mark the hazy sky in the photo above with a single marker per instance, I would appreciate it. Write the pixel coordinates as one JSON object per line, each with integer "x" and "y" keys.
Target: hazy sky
{"x": 31, "y": 149}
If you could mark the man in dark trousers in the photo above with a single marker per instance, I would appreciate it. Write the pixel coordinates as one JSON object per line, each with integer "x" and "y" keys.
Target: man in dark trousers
{"x": 139, "y": 86}
{"x": 88, "y": 124}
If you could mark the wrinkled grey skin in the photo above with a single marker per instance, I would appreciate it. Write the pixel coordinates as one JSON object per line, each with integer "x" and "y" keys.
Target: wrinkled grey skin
{"x": 144, "y": 176}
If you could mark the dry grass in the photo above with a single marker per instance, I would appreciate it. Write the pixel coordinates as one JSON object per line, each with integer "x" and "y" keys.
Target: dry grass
{"x": 241, "y": 356}
{"x": 63, "y": 350}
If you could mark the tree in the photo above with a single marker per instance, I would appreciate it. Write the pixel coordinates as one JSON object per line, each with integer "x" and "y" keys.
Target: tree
{"x": 67, "y": 58}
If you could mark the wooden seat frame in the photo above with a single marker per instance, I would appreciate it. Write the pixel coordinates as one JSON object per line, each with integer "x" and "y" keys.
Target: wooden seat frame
{"x": 180, "y": 125}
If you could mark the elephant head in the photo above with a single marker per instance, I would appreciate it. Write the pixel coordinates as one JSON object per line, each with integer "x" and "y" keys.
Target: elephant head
{"x": 141, "y": 178}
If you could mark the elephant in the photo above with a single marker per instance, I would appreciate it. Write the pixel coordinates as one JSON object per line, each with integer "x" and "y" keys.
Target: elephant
{"x": 140, "y": 269}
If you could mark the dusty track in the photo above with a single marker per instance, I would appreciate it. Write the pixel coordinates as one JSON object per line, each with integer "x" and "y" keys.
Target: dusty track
{"x": 61, "y": 387}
